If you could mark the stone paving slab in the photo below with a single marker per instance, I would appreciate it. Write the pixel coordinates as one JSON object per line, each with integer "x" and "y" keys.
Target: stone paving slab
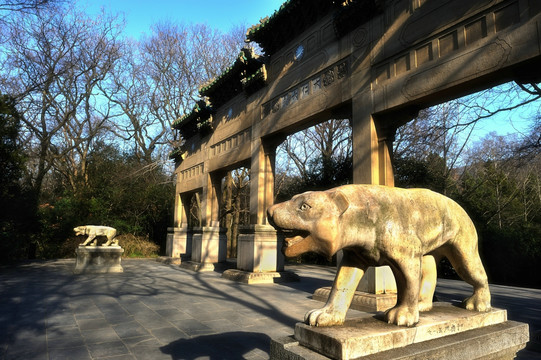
{"x": 160, "y": 311}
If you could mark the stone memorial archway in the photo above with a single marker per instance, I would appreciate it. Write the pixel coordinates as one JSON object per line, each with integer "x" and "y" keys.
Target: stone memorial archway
{"x": 376, "y": 61}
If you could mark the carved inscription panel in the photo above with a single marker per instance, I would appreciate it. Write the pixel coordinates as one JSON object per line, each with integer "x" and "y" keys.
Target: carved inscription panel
{"x": 312, "y": 86}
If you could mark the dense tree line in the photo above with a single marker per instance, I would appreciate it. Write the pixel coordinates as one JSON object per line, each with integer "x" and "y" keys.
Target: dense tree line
{"x": 86, "y": 116}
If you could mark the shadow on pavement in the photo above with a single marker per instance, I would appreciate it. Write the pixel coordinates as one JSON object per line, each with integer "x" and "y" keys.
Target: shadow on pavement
{"x": 231, "y": 346}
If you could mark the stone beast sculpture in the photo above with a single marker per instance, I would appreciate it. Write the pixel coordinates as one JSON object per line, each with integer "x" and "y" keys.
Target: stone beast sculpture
{"x": 93, "y": 230}
{"x": 409, "y": 230}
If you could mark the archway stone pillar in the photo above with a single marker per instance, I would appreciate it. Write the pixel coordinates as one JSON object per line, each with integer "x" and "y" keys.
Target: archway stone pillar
{"x": 259, "y": 256}
{"x": 179, "y": 238}
{"x": 209, "y": 242}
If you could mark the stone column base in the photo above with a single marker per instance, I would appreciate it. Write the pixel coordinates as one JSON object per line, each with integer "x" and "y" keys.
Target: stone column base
{"x": 179, "y": 242}
{"x": 197, "y": 266}
{"x": 209, "y": 245}
{"x": 376, "y": 290}
{"x": 248, "y": 277}
{"x": 98, "y": 259}
{"x": 259, "y": 259}
{"x": 259, "y": 249}
{"x": 378, "y": 280}
{"x": 445, "y": 332}
{"x": 362, "y": 301}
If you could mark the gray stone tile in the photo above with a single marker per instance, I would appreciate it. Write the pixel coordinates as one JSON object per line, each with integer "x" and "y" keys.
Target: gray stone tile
{"x": 122, "y": 357}
{"x": 108, "y": 349}
{"x": 173, "y": 314}
{"x": 85, "y": 309}
{"x": 240, "y": 319}
{"x": 169, "y": 334}
{"x": 30, "y": 349}
{"x": 95, "y": 336}
{"x": 58, "y": 309}
{"x": 91, "y": 324}
{"x": 151, "y": 353}
{"x": 214, "y": 315}
{"x": 115, "y": 319}
{"x": 55, "y": 332}
{"x": 112, "y": 307}
{"x": 66, "y": 342}
{"x": 67, "y": 319}
{"x": 191, "y": 326}
{"x": 130, "y": 329}
{"x": 75, "y": 353}
{"x": 156, "y": 304}
{"x": 152, "y": 321}
{"x": 89, "y": 315}
{"x": 133, "y": 308}
{"x": 145, "y": 340}
{"x": 221, "y": 325}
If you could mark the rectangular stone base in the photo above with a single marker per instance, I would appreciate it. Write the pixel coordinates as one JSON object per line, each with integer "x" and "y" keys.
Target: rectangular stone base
{"x": 446, "y": 332}
{"x": 98, "y": 259}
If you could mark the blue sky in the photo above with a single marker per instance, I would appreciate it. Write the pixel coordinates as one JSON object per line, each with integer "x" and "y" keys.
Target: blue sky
{"x": 221, "y": 14}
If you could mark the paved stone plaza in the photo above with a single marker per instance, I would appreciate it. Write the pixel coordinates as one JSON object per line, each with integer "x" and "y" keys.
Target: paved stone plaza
{"x": 158, "y": 311}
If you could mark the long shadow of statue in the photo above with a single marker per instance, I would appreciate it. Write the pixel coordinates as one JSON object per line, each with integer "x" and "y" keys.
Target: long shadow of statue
{"x": 232, "y": 345}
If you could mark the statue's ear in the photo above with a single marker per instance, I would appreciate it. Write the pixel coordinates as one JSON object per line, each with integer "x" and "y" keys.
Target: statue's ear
{"x": 341, "y": 201}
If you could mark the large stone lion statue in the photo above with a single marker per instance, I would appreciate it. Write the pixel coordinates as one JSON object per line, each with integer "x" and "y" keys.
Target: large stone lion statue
{"x": 409, "y": 230}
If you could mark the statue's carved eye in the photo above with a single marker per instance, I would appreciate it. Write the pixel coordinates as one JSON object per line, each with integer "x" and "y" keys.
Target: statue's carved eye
{"x": 304, "y": 207}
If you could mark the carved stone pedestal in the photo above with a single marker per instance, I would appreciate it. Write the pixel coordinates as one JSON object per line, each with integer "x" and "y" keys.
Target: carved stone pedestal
{"x": 445, "y": 332}
{"x": 209, "y": 247}
{"x": 98, "y": 260}
{"x": 259, "y": 259}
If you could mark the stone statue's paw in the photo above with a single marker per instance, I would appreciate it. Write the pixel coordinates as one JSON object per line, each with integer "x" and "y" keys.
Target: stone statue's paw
{"x": 425, "y": 306}
{"x": 402, "y": 316}
{"x": 479, "y": 301}
{"x": 323, "y": 317}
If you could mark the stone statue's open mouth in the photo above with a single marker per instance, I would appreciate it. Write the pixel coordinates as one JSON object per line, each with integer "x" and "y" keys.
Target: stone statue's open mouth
{"x": 293, "y": 237}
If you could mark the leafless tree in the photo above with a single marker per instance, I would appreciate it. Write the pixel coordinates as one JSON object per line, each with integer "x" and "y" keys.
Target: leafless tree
{"x": 10, "y": 8}
{"x": 443, "y": 132}
{"x": 327, "y": 141}
{"x": 159, "y": 80}
{"x": 54, "y": 64}
{"x": 23, "y": 5}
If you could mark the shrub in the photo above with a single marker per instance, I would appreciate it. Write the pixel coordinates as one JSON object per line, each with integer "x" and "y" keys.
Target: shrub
{"x": 137, "y": 246}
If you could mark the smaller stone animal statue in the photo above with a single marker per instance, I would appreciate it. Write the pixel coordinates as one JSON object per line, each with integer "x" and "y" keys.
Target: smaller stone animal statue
{"x": 94, "y": 230}
{"x": 409, "y": 230}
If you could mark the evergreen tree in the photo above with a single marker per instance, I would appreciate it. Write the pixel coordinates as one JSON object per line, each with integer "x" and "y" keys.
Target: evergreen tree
{"x": 17, "y": 207}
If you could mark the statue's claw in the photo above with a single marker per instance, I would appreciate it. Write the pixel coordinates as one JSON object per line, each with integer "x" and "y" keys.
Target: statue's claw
{"x": 323, "y": 317}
